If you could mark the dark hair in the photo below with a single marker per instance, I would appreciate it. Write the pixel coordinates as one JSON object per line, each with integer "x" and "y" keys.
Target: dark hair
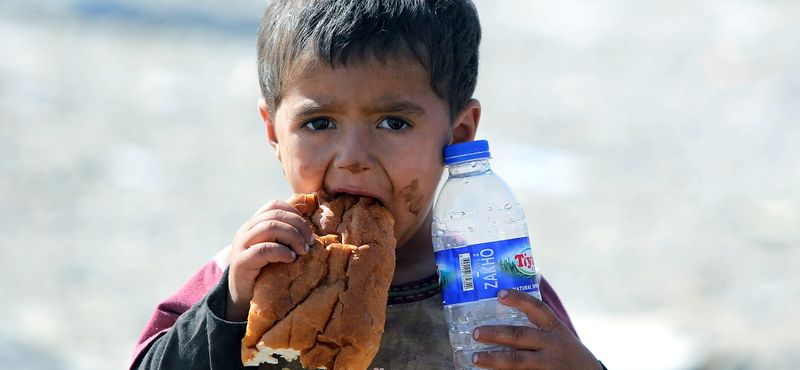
{"x": 443, "y": 35}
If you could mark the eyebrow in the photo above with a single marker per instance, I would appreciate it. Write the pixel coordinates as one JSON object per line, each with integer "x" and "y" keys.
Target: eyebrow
{"x": 313, "y": 108}
{"x": 396, "y": 107}
{"x": 405, "y": 107}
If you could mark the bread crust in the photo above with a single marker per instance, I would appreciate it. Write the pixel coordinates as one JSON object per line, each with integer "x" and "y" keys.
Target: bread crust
{"x": 327, "y": 307}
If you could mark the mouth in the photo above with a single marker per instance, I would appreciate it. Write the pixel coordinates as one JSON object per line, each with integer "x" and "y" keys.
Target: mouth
{"x": 337, "y": 192}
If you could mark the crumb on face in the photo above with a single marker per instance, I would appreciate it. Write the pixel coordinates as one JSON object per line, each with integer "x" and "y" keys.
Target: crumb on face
{"x": 412, "y": 196}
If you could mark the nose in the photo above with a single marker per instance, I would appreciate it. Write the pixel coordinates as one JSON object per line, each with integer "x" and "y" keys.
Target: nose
{"x": 355, "y": 152}
{"x": 356, "y": 167}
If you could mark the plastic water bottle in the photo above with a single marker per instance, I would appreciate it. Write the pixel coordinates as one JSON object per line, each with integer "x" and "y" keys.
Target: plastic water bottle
{"x": 481, "y": 242}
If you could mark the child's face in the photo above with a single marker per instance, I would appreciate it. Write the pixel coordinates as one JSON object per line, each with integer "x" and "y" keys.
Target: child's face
{"x": 372, "y": 129}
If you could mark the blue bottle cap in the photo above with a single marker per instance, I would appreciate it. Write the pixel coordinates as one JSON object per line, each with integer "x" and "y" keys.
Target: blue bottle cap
{"x": 468, "y": 151}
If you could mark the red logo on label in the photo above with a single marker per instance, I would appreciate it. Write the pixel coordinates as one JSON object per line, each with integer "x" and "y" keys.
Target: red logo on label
{"x": 525, "y": 262}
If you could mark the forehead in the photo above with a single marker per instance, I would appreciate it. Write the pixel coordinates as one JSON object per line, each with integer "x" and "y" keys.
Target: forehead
{"x": 397, "y": 74}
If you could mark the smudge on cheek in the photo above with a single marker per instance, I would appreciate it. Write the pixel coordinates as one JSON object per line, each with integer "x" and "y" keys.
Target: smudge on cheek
{"x": 413, "y": 197}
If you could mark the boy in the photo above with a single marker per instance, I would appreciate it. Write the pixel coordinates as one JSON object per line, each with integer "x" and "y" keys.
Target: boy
{"x": 359, "y": 97}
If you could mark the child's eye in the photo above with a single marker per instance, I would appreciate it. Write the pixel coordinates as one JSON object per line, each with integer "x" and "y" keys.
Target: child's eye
{"x": 393, "y": 123}
{"x": 318, "y": 124}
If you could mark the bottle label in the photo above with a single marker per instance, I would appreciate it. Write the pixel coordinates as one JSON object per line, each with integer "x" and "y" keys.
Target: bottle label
{"x": 479, "y": 271}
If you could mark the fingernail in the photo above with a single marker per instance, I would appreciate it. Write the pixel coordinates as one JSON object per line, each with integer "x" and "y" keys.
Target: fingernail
{"x": 475, "y": 358}
{"x": 308, "y": 248}
{"x": 503, "y": 294}
{"x": 475, "y": 333}
{"x": 294, "y": 255}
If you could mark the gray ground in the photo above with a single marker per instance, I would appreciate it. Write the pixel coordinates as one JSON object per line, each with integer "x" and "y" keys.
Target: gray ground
{"x": 655, "y": 147}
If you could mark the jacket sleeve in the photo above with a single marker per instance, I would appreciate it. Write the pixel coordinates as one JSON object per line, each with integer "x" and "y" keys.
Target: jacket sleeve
{"x": 199, "y": 338}
{"x": 550, "y": 297}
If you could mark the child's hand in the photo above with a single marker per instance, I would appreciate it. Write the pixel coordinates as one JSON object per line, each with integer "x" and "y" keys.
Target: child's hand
{"x": 276, "y": 233}
{"x": 552, "y": 346}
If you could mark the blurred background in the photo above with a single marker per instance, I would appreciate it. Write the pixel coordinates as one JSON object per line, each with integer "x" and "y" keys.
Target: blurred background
{"x": 654, "y": 145}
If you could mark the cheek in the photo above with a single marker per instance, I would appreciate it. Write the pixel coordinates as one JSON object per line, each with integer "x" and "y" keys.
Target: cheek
{"x": 413, "y": 197}
{"x": 417, "y": 191}
{"x": 304, "y": 169}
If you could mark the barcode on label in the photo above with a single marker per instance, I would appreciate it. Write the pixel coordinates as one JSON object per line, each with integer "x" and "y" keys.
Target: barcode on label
{"x": 466, "y": 272}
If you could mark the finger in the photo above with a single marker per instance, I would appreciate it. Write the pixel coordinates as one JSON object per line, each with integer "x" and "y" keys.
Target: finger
{"x": 516, "y": 360}
{"x": 248, "y": 264}
{"x": 517, "y": 337}
{"x": 277, "y": 209}
{"x": 259, "y": 255}
{"x": 276, "y": 204}
{"x": 278, "y": 229}
{"x": 538, "y": 312}
{"x": 245, "y": 269}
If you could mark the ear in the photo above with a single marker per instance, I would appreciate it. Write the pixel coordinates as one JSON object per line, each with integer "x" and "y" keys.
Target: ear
{"x": 270, "y": 124}
{"x": 466, "y": 124}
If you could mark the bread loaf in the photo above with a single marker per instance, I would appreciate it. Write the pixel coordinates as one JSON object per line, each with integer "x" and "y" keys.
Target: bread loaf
{"x": 327, "y": 307}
